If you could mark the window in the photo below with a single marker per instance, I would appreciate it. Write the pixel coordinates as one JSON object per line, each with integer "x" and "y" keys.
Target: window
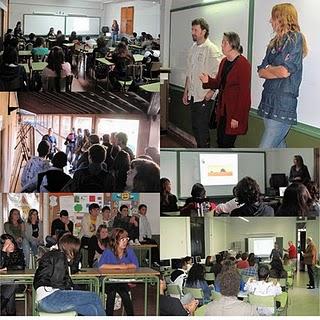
{"x": 130, "y": 127}
{"x": 49, "y": 123}
{"x": 55, "y": 124}
{"x": 83, "y": 123}
{"x": 65, "y": 126}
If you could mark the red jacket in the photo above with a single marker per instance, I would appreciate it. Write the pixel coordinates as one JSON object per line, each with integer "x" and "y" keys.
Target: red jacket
{"x": 236, "y": 95}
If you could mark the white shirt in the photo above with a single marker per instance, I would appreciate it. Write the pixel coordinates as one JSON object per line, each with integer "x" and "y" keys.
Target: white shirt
{"x": 144, "y": 228}
{"x": 203, "y": 58}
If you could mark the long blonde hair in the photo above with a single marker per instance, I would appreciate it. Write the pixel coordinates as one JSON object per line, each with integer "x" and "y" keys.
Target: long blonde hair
{"x": 287, "y": 17}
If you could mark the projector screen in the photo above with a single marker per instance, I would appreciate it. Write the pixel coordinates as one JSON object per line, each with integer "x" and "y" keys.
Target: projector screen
{"x": 83, "y": 25}
{"x": 192, "y": 171}
{"x": 261, "y": 247}
{"x": 40, "y": 24}
{"x": 218, "y": 169}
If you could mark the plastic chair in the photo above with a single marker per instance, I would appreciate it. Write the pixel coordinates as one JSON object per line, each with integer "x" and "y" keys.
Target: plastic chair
{"x": 154, "y": 69}
{"x": 283, "y": 300}
{"x": 196, "y": 292}
{"x": 23, "y": 297}
{"x": 209, "y": 276}
{"x": 263, "y": 301}
{"x": 207, "y": 268}
{"x": 174, "y": 290}
{"x": 215, "y": 295}
{"x": 201, "y": 311}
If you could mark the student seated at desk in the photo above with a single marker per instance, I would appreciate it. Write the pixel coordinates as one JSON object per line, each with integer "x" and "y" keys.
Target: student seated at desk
{"x": 277, "y": 271}
{"x": 11, "y": 258}
{"x": 263, "y": 287}
{"x": 15, "y": 226}
{"x": 133, "y": 39}
{"x": 97, "y": 244}
{"x": 31, "y": 41}
{"x": 13, "y": 77}
{"x": 73, "y": 37}
{"x": 147, "y": 43}
{"x": 53, "y": 284}
{"x": 57, "y": 68}
{"x": 121, "y": 58}
{"x": 168, "y": 201}
{"x": 7, "y": 38}
{"x": 118, "y": 256}
{"x": 313, "y": 189}
{"x": 39, "y": 51}
{"x": 247, "y": 193}
{"x": 152, "y": 55}
{"x": 296, "y": 201}
{"x": 90, "y": 43}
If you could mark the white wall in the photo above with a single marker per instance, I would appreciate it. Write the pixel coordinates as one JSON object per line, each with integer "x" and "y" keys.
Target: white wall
{"x": 152, "y": 201}
{"x": 20, "y": 7}
{"x": 146, "y": 15}
{"x": 215, "y": 235}
{"x": 281, "y": 160}
{"x": 175, "y": 240}
{"x": 3, "y": 6}
{"x": 313, "y": 228}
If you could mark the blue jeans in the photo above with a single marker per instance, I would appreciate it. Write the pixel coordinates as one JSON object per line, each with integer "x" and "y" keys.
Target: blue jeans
{"x": 83, "y": 302}
{"x": 114, "y": 37}
{"x": 274, "y": 135}
{"x": 26, "y": 246}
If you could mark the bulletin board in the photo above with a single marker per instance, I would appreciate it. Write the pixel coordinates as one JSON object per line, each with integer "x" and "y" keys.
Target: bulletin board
{"x": 77, "y": 204}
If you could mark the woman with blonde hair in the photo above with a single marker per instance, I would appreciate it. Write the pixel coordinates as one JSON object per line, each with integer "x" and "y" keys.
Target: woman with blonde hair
{"x": 282, "y": 70}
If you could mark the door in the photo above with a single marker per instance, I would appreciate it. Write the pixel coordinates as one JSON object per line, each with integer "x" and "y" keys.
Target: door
{"x": 127, "y": 19}
{"x": 301, "y": 244}
{"x": 197, "y": 237}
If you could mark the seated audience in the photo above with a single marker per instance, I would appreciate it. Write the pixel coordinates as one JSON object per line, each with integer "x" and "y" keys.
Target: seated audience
{"x": 263, "y": 287}
{"x": 228, "y": 304}
{"x": 39, "y": 51}
{"x": 51, "y": 34}
{"x": 217, "y": 265}
{"x": 179, "y": 276}
{"x": 277, "y": 271}
{"x": 252, "y": 270}
{"x": 247, "y": 193}
{"x": 108, "y": 217}
{"x": 97, "y": 244}
{"x": 243, "y": 263}
{"x": 63, "y": 223}
{"x": 15, "y": 226}
{"x": 314, "y": 208}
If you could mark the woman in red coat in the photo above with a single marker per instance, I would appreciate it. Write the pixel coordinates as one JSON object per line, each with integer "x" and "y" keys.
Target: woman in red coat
{"x": 233, "y": 81}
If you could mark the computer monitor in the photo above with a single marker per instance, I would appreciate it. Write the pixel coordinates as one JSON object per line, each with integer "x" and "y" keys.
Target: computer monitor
{"x": 278, "y": 180}
{"x": 165, "y": 263}
{"x": 198, "y": 259}
{"x": 176, "y": 263}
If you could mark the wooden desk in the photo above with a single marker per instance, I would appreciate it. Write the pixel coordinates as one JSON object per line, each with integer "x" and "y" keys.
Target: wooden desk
{"x": 144, "y": 247}
{"x": 24, "y": 53}
{"x": 151, "y": 87}
{"x": 38, "y": 66}
{"x": 144, "y": 275}
{"x": 68, "y": 45}
{"x": 105, "y": 61}
{"x": 138, "y": 57}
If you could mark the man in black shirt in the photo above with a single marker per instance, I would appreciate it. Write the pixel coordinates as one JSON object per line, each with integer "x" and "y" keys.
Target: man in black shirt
{"x": 61, "y": 224}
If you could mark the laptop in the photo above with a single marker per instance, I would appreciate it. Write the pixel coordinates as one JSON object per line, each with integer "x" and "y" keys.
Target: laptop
{"x": 281, "y": 191}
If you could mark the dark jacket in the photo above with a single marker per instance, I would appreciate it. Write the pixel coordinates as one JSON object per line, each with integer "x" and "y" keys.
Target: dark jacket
{"x": 121, "y": 166}
{"x": 12, "y": 78}
{"x": 253, "y": 210}
{"x": 303, "y": 174}
{"x": 13, "y": 261}
{"x": 235, "y": 98}
{"x": 56, "y": 180}
{"x": 53, "y": 271}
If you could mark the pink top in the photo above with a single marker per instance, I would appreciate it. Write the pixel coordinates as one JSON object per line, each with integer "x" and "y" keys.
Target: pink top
{"x": 66, "y": 71}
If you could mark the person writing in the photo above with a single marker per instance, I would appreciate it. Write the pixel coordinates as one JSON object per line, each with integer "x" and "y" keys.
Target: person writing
{"x": 233, "y": 81}
{"x": 282, "y": 70}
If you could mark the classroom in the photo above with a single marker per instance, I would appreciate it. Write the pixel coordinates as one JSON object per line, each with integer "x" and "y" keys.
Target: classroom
{"x": 88, "y": 46}
{"x": 82, "y": 141}
{"x": 215, "y": 251}
{"x": 240, "y": 182}
{"x": 57, "y": 216}
{"x": 250, "y": 20}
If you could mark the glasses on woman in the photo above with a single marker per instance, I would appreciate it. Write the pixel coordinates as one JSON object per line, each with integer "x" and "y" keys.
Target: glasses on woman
{"x": 124, "y": 239}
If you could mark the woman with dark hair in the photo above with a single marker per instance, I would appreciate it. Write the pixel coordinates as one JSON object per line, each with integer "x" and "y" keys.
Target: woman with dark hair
{"x": 57, "y": 68}
{"x": 118, "y": 256}
{"x": 299, "y": 171}
{"x": 39, "y": 51}
{"x": 196, "y": 279}
{"x": 296, "y": 201}
{"x": 168, "y": 201}
{"x": 247, "y": 193}
{"x": 15, "y": 226}
{"x": 11, "y": 258}
{"x": 73, "y": 37}
{"x": 51, "y": 34}
{"x": 13, "y": 77}
{"x": 18, "y": 30}
{"x": 234, "y": 101}
{"x": 252, "y": 270}
{"x": 143, "y": 176}
{"x": 33, "y": 236}
{"x": 114, "y": 31}
{"x": 314, "y": 194}
{"x": 97, "y": 244}
{"x": 53, "y": 283}
{"x": 277, "y": 271}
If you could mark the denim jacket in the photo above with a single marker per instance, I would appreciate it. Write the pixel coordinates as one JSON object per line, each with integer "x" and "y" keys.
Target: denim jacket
{"x": 279, "y": 96}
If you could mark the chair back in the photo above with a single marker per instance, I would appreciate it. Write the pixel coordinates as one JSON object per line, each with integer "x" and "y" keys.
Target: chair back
{"x": 207, "y": 268}
{"x": 174, "y": 290}
{"x": 201, "y": 311}
{"x": 209, "y": 276}
{"x": 196, "y": 292}
{"x": 215, "y": 295}
{"x": 262, "y": 301}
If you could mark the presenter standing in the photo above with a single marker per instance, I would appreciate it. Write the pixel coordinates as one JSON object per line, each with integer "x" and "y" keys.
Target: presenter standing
{"x": 204, "y": 57}
{"x": 282, "y": 70}
{"x": 299, "y": 171}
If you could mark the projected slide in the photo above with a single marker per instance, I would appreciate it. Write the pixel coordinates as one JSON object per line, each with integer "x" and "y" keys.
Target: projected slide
{"x": 218, "y": 169}
{"x": 261, "y": 247}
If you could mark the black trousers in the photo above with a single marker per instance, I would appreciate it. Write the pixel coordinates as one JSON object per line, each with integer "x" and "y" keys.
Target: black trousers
{"x": 200, "y": 116}
{"x": 123, "y": 291}
{"x": 8, "y": 302}
{"x": 224, "y": 140}
{"x": 311, "y": 275}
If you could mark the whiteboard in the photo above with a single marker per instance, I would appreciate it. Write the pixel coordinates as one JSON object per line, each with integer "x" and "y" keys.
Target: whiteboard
{"x": 83, "y": 25}
{"x": 40, "y": 24}
{"x": 222, "y": 17}
{"x": 310, "y": 24}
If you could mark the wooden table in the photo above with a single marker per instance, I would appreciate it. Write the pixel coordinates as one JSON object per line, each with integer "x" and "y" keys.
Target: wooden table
{"x": 26, "y": 53}
{"x": 138, "y": 57}
{"x": 38, "y": 66}
{"x": 144, "y": 275}
{"x": 151, "y": 87}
